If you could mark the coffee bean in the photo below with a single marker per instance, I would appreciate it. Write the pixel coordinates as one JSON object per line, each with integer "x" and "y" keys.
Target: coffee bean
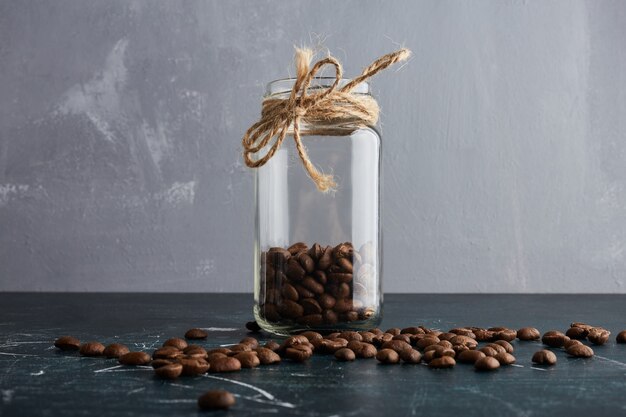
{"x": 223, "y": 350}
{"x": 345, "y": 354}
{"x": 168, "y": 352}
{"x": 388, "y": 356}
{"x": 581, "y": 325}
{"x": 505, "y": 358}
{"x": 367, "y": 351}
{"x": 397, "y": 345}
{"x": 580, "y": 351}
{"x": 241, "y": 347}
{"x": 212, "y": 357}
{"x": 169, "y": 371}
{"x": 487, "y": 363}
{"x": 311, "y": 335}
{"x": 571, "y": 343}
{"x": 621, "y": 337}
{"x": 411, "y": 356}
{"x": 272, "y": 345}
{"x": 227, "y": 364}
{"x": 311, "y": 306}
{"x": 298, "y": 353}
{"x": 253, "y": 327}
{"x": 442, "y": 362}
{"x": 91, "y": 349}
{"x": 470, "y": 356}
{"x": 528, "y": 333}
{"x": 267, "y": 356}
{"x": 598, "y": 336}
{"x": 350, "y": 336}
{"x": 196, "y": 334}
{"x": 463, "y": 332}
{"x": 330, "y": 317}
{"x": 290, "y": 309}
{"x": 404, "y": 338}
{"x": 67, "y": 343}
{"x": 328, "y": 346}
{"x": 498, "y": 348}
{"x": 216, "y": 400}
{"x": 326, "y": 301}
{"x": 554, "y": 339}
{"x": 427, "y": 341}
{"x": 157, "y": 363}
{"x": 294, "y": 270}
{"x": 176, "y": 342}
{"x": 289, "y": 292}
{"x": 248, "y": 359}
{"x": 315, "y": 252}
{"x": 544, "y": 357}
{"x": 483, "y": 335}
{"x": 250, "y": 341}
{"x": 325, "y": 260}
{"x": 135, "y": 358}
{"x": 311, "y": 320}
{"x": 447, "y": 336}
{"x": 192, "y": 367}
{"x": 411, "y": 330}
{"x": 506, "y": 345}
{"x": 505, "y": 334}
{"x": 489, "y": 351}
{"x": 576, "y": 333}
{"x": 464, "y": 340}
{"x": 115, "y": 350}
{"x": 367, "y": 337}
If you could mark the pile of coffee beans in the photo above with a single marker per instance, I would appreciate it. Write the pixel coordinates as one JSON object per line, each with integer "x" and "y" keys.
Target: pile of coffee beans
{"x": 318, "y": 287}
{"x": 411, "y": 345}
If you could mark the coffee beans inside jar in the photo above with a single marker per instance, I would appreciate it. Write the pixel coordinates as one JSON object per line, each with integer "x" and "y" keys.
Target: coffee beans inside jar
{"x": 318, "y": 287}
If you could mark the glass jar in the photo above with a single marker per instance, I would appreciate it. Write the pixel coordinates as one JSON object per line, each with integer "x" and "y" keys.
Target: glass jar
{"x": 317, "y": 258}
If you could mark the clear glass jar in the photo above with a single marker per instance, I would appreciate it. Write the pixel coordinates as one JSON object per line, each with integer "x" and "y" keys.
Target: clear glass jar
{"x": 317, "y": 258}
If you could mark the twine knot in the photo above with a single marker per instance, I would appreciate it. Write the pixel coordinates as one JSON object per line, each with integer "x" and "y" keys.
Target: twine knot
{"x": 327, "y": 107}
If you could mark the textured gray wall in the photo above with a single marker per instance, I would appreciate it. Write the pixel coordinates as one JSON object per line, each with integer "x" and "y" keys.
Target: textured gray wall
{"x": 120, "y": 126}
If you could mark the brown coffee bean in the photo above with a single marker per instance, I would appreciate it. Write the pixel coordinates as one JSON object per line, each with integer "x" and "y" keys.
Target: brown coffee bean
{"x": 342, "y": 277}
{"x": 253, "y": 326}
{"x": 350, "y": 336}
{"x": 223, "y": 350}
{"x": 168, "y": 352}
{"x": 463, "y": 332}
{"x": 290, "y": 309}
{"x": 505, "y": 334}
{"x": 598, "y": 336}
{"x": 241, "y": 347}
{"x": 349, "y": 316}
{"x": 460, "y": 348}
{"x": 464, "y": 340}
{"x": 621, "y": 337}
{"x": 580, "y": 351}
{"x": 272, "y": 345}
{"x": 115, "y": 350}
{"x": 311, "y": 306}
{"x": 326, "y": 301}
{"x": 270, "y": 313}
{"x": 394, "y": 331}
{"x": 581, "y": 325}
{"x": 328, "y": 346}
{"x": 554, "y": 339}
{"x": 367, "y": 337}
{"x": 404, "y": 338}
{"x": 289, "y": 292}
{"x": 571, "y": 343}
{"x": 505, "y": 358}
{"x": 326, "y": 259}
{"x": 427, "y": 341}
{"x": 169, "y": 371}
{"x": 215, "y": 356}
{"x": 487, "y": 363}
{"x": 397, "y": 345}
{"x": 298, "y": 353}
{"x": 310, "y": 335}
{"x": 135, "y": 359}
{"x": 330, "y": 317}
{"x": 411, "y": 330}
{"x": 250, "y": 341}
{"x": 192, "y": 367}
{"x": 216, "y": 400}
{"x": 442, "y": 362}
{"x": 497, "y": 347}
{"x": 227, "y": 364}
{"x": 248, "y": 359}
{"x": 91, "y": 349}
{"x": 367, "y": 351}
{"x": 196, "y": 334}
{"x": 267, "y": 356}
{"x": 576, "y": 333}
{"x": 447, "y": 336}
{"x": 489, "y": 351}
{"x": 345, "y": 265}
{"x": 311, "y": 320}
{"x": 294, "y": 270}
{"x": 411, "y": 356}
{"x": 67, "y": 343}
{"x": 470, "y": 356}
{"x": 544, "y": 357}
{"x": 506, "y": 345}
{"x": 315, "y": 252}
{"x": 157, "y": 363}
{"x": 345, "y": 354}
{"x": 388, "y": 356}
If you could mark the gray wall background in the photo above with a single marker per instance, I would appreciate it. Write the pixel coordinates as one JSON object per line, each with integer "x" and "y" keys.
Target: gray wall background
{"x": 120, "y": 127}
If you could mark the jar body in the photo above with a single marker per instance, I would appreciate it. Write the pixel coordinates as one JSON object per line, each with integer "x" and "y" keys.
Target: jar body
{"x": 318, "y": 255}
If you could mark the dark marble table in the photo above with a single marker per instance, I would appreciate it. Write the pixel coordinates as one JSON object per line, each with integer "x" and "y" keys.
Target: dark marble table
{"x": 37, "y": 380}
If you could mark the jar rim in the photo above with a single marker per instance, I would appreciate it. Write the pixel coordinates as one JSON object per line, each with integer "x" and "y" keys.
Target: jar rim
{"x": 284, "y": 85}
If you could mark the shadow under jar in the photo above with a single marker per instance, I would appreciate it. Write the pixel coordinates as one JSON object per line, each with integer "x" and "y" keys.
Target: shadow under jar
{"x": 318, "y": 255}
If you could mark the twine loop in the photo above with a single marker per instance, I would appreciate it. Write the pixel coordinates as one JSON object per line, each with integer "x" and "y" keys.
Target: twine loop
{"x": 330, "y": 107}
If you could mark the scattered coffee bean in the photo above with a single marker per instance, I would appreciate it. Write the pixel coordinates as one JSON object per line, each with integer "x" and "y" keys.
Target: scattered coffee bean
{"x": 91, "y": 349}
{"x": 554, "y": 339}
{"x": 176, "y": 342}
{"x": 576, "y": 333}
{"x": 489, "y": 351}
{"x": 216, "y": 400}
{"x": 487, "y": 363}
{"x": 571, "y": 343}
{"x": 196, "y": 334}
{"x": 621, "y": 337}
{"x": 505, "y": 334}
{"x": 411, "y": 356}
{"x": 442, "y": 362}
{"x": 157, "y": 363}
{"x": 498, "y": 348}
{"x": 580, "y": 351}
{"x": 67, "y": 343}
{"x": 388, "y": 356}
{"x": 167, "y": 352}
{"x": 135, "y": 358}
{"x": 505, "y": 358}
{"x": 267, "y": 356}
{"x": 227, "y": 364}
{"x": 470, "y": 356}
{"x": 544, "y": 357}
{"x": 253, "y": 326}
{"x": 115, "y": 350}
{"x": 193, "y": 367}
{"x": 506, "y": 345}
{"x": 345, "y": 354}
{"x": 248, "y": 359}
{"x": 169, "y": 371}
{"x": 598, "y": 336}
{"x": 367, "y": 351}
{"x": 528, "y": 333}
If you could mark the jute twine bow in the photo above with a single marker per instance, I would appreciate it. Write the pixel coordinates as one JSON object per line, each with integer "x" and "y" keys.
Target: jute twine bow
{"x": 326, "y": 107}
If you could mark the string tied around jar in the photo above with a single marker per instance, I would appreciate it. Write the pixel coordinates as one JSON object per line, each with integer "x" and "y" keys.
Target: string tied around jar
{"x": 326, "y": 107}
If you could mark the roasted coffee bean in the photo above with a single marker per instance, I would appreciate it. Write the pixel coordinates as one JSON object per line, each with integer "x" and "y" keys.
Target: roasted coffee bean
{"x": 505, "y": 334}
{"x": 67, "y": 343}
{"x": 554, "y": 339}
{"x": 375, "y": 331}
{"x": 544, "y": 357}
{"x": 598, "y": 336}
{"x": 196, "y": 334}
{"x": 176, "y": 342}
{"x": 298, "y": 353}
{"x": 367, "y": 337}
{"x": 115, "y": 350}
{"x": 447, "y": 336}
{"x": 330, "y": 317}
{"x": 294, "y": 270}
{"x": 307, "y": 262}
{"x": 581, "y": 325}
{"x": 460, "y": 348}
{"x": 367, "y": 351}
{"x": 290, "y": 309}
{"x": 311, "y": 306}
{"x": 576, "y": 333}
{"x": 445, "y": 344}
{"x": 167, "y": 352}
{"x": 621, "y": 337}
{"x": 326, "y": 259}
{"x": 397, "y": 345}
{"x": 404, "y": 338}
{"x": 345, "y": 354}
{"x": 464, "y": 340}
{"x": 216, "y": 400}
{"x": 506, "y": 345}
{"x": 470, "y": 356}
{"x": 345, "y": 265}
{"x": 315, "y": 252}
{"x": 311, "y": 335}
{"x": 571, "y": 343}
{"x": 253, "y": 326}
{"x": 248, "y": 359}
{"x": 135, "y": 358}
{"x": 192, "y": 367}
{"x": 483, "y": 335}
{"x": 157, "y": 363}
{"x": 349, "y": 316}
{"x": 350, "y": 336}
{"x": 442, "y": 362}
{"x": 411, "y": 356}
{"x": 311, "y": 320}
{"x": 429, "y": 356}
{"x": 267, "y": 356}
{"x": 463, "y": 332}
{"x": 580, "y": 351}
{"x": 297, "y": 248}
{"x": 505, "y": 358}
{"x": 427, "y": 341}
{"x": 341, "y": 277}
{"x": 250, "y": 341}
{"x": 489, "y": 351}
{"x": 326, "y": 301}
{"x": 394, "y": 331}
{"x": 227, "y": 364}
{"x": 91, "y": 349}
{"x": 241, "y": 347}
{"x": 215, "y": 356}
{"x": 294, "y": 341}
{"x": 388, "y": 356}
{"x": 169, "y": 371}
{"x": 289, "y": 292}
{"x": 411, "y": 330}
{"x": 328, "y": 346}
{"x": 497, "y": 347}
{"x": 487, "y": 363}
{"x": 223, "y": 350}
{"x": 270, "y": 312}
{"x": 272, "y": 345}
